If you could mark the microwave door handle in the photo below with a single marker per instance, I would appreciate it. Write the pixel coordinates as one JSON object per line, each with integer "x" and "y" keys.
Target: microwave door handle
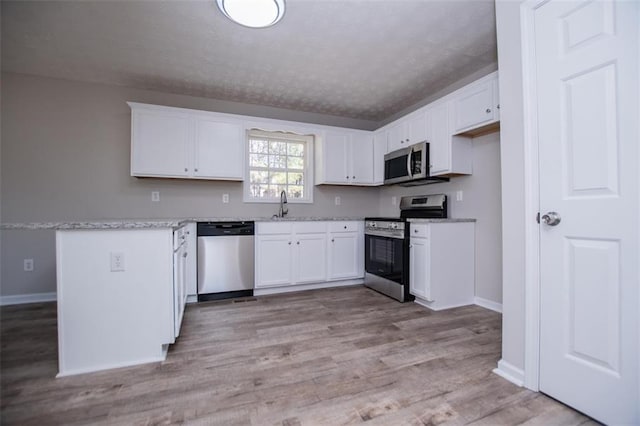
{"x": 409, "y": 158}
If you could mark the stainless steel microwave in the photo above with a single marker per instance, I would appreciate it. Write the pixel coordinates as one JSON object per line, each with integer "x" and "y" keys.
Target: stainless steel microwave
{"x": 409, "y": 166}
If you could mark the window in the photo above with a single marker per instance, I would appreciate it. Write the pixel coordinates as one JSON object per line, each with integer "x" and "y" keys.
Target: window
{"x": 279, "y": 161}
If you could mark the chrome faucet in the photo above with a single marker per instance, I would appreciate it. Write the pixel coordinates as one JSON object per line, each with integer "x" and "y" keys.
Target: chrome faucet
{"x": 283, "y": 200}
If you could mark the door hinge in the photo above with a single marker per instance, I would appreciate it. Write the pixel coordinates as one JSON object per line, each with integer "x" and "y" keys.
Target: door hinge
{"x": 538, "y": 218}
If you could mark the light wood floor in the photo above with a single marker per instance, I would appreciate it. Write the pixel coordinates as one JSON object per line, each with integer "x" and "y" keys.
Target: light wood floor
{"x": 326, "y": 357}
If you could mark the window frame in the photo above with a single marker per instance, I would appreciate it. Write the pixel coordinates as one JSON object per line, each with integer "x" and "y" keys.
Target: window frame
{"x": 308, "y": 139}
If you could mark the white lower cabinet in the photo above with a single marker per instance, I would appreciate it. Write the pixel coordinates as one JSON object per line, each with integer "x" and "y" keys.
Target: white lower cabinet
{"x": 297, "y": 253}
{"x": 442, "y": 264}
{"x": 123, "y": 315}
{"x": 346, "y": 245}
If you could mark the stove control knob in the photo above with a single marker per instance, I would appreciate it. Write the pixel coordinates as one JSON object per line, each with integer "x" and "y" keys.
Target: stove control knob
{"x": 393, "y": 225}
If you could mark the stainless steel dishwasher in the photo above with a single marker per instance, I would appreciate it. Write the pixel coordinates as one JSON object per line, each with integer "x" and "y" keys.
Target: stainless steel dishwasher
{"x": 225, "y": 260}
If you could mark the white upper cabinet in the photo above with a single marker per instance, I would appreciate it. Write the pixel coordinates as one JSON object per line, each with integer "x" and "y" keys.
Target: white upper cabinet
{"x": 476, "y": 105}
{"x": 219, "y": 149}
{"x": 344, "y": 158}
{"x": 161, "y": 143}
{"x": 361, "y": 158}
{"x": 178, "y": 143}
{"x": 407, "y": 131}
{"x": 448, "y": 155}
{"x": 379, "y": 150}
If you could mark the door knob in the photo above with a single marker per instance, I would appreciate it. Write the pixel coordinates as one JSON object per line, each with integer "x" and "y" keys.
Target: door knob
{"x": 551, "y": 218}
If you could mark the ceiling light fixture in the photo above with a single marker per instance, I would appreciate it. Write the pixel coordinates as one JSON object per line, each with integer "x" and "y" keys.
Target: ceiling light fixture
{"x": 253, "y": 13}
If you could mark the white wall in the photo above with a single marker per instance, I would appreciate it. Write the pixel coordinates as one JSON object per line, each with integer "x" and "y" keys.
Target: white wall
{"x": 65, "y": 156}
{"x": 481, "y": 201}
{"x": 512, "y": 155}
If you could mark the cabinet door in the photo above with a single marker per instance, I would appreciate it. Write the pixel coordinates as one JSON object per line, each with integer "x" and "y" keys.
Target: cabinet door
{"x": 335, "y": 149}
{"x": 161, "y": 143}
{"x": 474, "y": 107}
{"x": 416, "y": 128}
{"x": 419, "y": 265}
{"x": 273, "y": 260}
{"x": 219, "y": 149}
{"x": 379, "y": 150}
{"x": 311, "y": 258}
{"x": 439, "y": 139}
{"x": 397, "y": 137}
{"x": 345, "y": 256}
{"x": 361, "y": 158}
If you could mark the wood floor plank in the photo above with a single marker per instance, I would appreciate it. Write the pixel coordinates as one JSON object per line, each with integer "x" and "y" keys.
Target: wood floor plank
{"x": 324, "y": 357}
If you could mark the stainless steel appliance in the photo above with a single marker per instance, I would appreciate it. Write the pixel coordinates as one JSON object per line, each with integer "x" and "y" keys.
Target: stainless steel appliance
{"x": 225, "y": 260}
{"x": 386, "y": 242}
{"x": 409, "y": 166}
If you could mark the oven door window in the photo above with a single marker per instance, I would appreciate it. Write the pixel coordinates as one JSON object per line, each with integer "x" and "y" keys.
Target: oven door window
{"x": 384, "y": 257}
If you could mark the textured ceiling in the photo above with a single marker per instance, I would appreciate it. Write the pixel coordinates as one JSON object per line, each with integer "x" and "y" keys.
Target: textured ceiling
{"x": 365, "y": 59}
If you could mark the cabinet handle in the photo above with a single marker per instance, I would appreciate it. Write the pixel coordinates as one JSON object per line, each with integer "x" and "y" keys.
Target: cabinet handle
{"x": 332, "y": 240}
{"x": 407, "y": 139}
{"x": 410, "y": 245}
{"x": 289, "y": 242}
{"x": 186, "y": 170}
{"x": 345, "y": 227}
{"x": 347, "y": 177}
{"x": 415, "y": 230}
{"x": 298, "y": 243}
{"x": 498, "y": 106}
{"x": 195, "y": 170}
{"x": 488, "y": 110}
{"x": 184, "y": 255}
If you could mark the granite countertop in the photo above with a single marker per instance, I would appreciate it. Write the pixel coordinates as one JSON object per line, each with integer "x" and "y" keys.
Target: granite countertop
{"x": 155, "y": 223}
{"x": 448, "y": 220}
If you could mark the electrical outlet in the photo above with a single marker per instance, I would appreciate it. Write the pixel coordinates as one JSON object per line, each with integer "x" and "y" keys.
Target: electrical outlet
{"x": 225, "y": 198}
{"x": 459, "y": 195}
{"x": 117, "y": 261}
{"x": 155, "y": 196}
{"x": 394, "y": 200}
{"x": 28, "y": 265}
{"x": 338, "y": 201}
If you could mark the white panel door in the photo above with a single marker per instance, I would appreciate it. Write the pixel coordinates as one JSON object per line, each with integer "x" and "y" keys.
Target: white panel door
{"x": 587, "y": 83}
{"x": 311, "y": 259}
{"x": 335, "y": 147}
{"x": 161, "y": 144}
{"x": 361, "y": 158}
{"x": 219, "y": 149}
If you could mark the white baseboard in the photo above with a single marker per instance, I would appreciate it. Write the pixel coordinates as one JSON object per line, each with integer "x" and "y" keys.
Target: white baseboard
{"x": 488, "y": 304}
{"x": 19, "y": 299}
{"x": 510, "y": 373}
{"x": 302, "y": 287}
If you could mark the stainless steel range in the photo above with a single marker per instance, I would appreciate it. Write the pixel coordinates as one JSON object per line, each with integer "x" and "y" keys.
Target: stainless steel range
{"x": 386, "y": 243}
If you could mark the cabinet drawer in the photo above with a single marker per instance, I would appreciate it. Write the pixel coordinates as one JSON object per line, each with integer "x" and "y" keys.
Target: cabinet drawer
{"x": 310, "y": 227}
{"x": 266, "y": 228}
{"x": 419, "y": 230}
{"x": 344, "y": 226}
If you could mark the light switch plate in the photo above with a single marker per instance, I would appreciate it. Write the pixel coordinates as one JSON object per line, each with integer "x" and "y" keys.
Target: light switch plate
{"x": 338, "y": 201}
{"x": 117, "y": 261}
{"x": 225, "y": 198}
{"x": 394, "y": 200}
{"x": 28, "y": 265}
{"x": 155, "y": 196}
{"x": 459, "y": 195}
